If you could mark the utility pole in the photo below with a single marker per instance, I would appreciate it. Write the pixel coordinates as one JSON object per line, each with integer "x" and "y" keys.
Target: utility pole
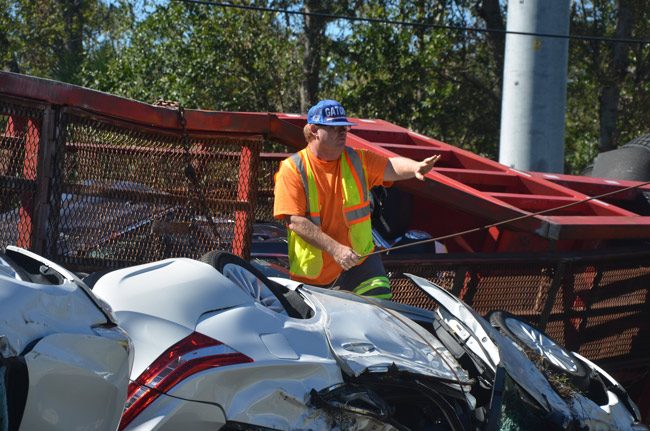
{"x": 534, "y": 86}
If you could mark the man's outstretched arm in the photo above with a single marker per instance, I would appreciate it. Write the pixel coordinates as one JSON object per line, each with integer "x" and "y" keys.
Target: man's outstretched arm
{"x": 403, "y": 168}
{"x": 343, "y": 255}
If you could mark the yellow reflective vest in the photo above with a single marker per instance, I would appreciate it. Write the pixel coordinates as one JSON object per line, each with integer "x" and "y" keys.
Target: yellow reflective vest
{"x": 305, "y": 260}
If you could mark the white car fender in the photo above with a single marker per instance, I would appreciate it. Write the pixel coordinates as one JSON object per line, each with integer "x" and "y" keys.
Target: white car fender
{"x": 92, "y": 377}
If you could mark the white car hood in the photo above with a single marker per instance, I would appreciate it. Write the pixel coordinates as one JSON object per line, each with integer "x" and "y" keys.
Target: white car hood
{"x": 179, "y": 290}
{"x": 385, "y": 339}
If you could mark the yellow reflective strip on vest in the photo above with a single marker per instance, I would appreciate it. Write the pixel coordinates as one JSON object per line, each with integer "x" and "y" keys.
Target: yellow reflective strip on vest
{"x": 360, "y": 232}
{"x": 376, "y": 287}
{"x": 309, "y": 185}
{"x": 357, "y": 164}
{"x": 314, "y": 202}
{"x": 352, "y": 196}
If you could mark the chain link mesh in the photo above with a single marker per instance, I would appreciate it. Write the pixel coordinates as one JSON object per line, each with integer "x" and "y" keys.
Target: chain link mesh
{"x": 597, "y": 309}
{"x": 19, "y": 145}
{"x": 125, "y": 198}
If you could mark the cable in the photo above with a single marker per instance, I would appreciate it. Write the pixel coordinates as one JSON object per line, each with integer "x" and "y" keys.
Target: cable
{"x": 522, "y": 217}
{"x": 417, "y": 24}
{"x": 159, "y": 392}
{"x": 485, "y": 227}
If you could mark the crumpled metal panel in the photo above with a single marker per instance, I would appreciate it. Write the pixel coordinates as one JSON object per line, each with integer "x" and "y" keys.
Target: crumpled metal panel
{"x": 31, "y": 311}
{"x": 385, "y": 339}
{"x": 77, "y": 381}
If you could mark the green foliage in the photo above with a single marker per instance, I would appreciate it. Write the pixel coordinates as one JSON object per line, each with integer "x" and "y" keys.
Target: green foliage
{"x": 55, "y": 39}
{"x": 442, "y": 83}
{"x": 436, "y": 82}
{"x": 211, "y": 58}
{"x": 591, "y": 67}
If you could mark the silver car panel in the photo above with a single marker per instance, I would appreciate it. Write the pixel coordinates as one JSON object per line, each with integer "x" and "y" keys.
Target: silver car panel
{"x": 383, "y": 340}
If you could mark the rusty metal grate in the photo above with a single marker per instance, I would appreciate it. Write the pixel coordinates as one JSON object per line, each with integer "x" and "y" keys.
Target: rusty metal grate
{"x": 124, "y": 198}
{"x": 596, "y": 307}
{"x": 269, "y": 165}
{"x": 19, "y": 147}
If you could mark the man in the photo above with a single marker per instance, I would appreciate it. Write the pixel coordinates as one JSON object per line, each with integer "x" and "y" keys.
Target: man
{"x": 322, "y": 195}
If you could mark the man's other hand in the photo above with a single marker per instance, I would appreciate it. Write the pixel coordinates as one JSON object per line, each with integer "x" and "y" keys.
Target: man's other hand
{"x": 346, "y": 257}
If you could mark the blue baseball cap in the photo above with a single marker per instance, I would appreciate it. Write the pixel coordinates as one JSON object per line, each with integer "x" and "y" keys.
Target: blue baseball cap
{"x": 328, "y": 113}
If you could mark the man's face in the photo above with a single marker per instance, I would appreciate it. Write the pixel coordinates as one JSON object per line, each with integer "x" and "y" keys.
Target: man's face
{"x": 332, "y": 136}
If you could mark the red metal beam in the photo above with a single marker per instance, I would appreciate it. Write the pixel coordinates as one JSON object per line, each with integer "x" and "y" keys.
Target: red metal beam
{"x": 287, "y": 129}
{"x": 481, "y": 180}
{"x": 58, "y": 93}
{"x": 537, "y": 203}
{"x": 419, "y": 152}
{"x": 595, "y": 227}
{"x": 245, "y": 193}
{"x": 592, "y": 186}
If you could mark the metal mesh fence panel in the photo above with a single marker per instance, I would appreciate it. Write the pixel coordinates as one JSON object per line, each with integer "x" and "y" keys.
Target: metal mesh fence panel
{"x": 269, "y": 165}
{"x": 125, "y": 196}
{"x": 19, "y": 145}
{"x": 606, "y": 305}
{"x": 525, "y": 289}
{"x": 596, "y": 308}
{"x": 405, "y": 292}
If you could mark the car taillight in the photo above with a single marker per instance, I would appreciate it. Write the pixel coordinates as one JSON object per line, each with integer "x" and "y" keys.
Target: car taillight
{"x": 191, "y": 355}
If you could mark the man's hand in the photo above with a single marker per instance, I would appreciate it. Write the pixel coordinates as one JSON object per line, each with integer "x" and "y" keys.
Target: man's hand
{"x": 425, "y": 166}
{"x": 345, "y": 256}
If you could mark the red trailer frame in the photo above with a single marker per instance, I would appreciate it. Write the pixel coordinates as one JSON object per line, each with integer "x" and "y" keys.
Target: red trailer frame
{"x": 464, "y": 191}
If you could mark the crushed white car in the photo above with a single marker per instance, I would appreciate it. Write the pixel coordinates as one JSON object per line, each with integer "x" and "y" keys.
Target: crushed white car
{"x": 217, "y": 345}
{"x": 221, "y": 346}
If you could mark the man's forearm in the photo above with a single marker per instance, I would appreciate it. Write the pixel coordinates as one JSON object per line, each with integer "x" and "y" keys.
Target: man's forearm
{"x": 403, "y": 168}
{"x": 312, "y": 233}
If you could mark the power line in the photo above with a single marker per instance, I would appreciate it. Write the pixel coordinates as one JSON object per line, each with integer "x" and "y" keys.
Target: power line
{"x": 418, "y": 24}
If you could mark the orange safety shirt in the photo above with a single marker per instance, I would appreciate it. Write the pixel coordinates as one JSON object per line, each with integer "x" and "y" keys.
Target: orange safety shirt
{"x": 290, "y": 199}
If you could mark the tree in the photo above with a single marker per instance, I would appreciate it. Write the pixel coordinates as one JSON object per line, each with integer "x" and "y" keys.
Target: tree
{"x": 53, "y": 38}
{"x": 314, "y": 31}
{"x": 8, "y": 58}
{"x": 315, "y": 23}
{"x": 608, "y": 90}
{"x": 492, "y": 13}
{"x": 208, "y": 57}
{"x": 439, "y": 82}
{"x": 445, "y": 83}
